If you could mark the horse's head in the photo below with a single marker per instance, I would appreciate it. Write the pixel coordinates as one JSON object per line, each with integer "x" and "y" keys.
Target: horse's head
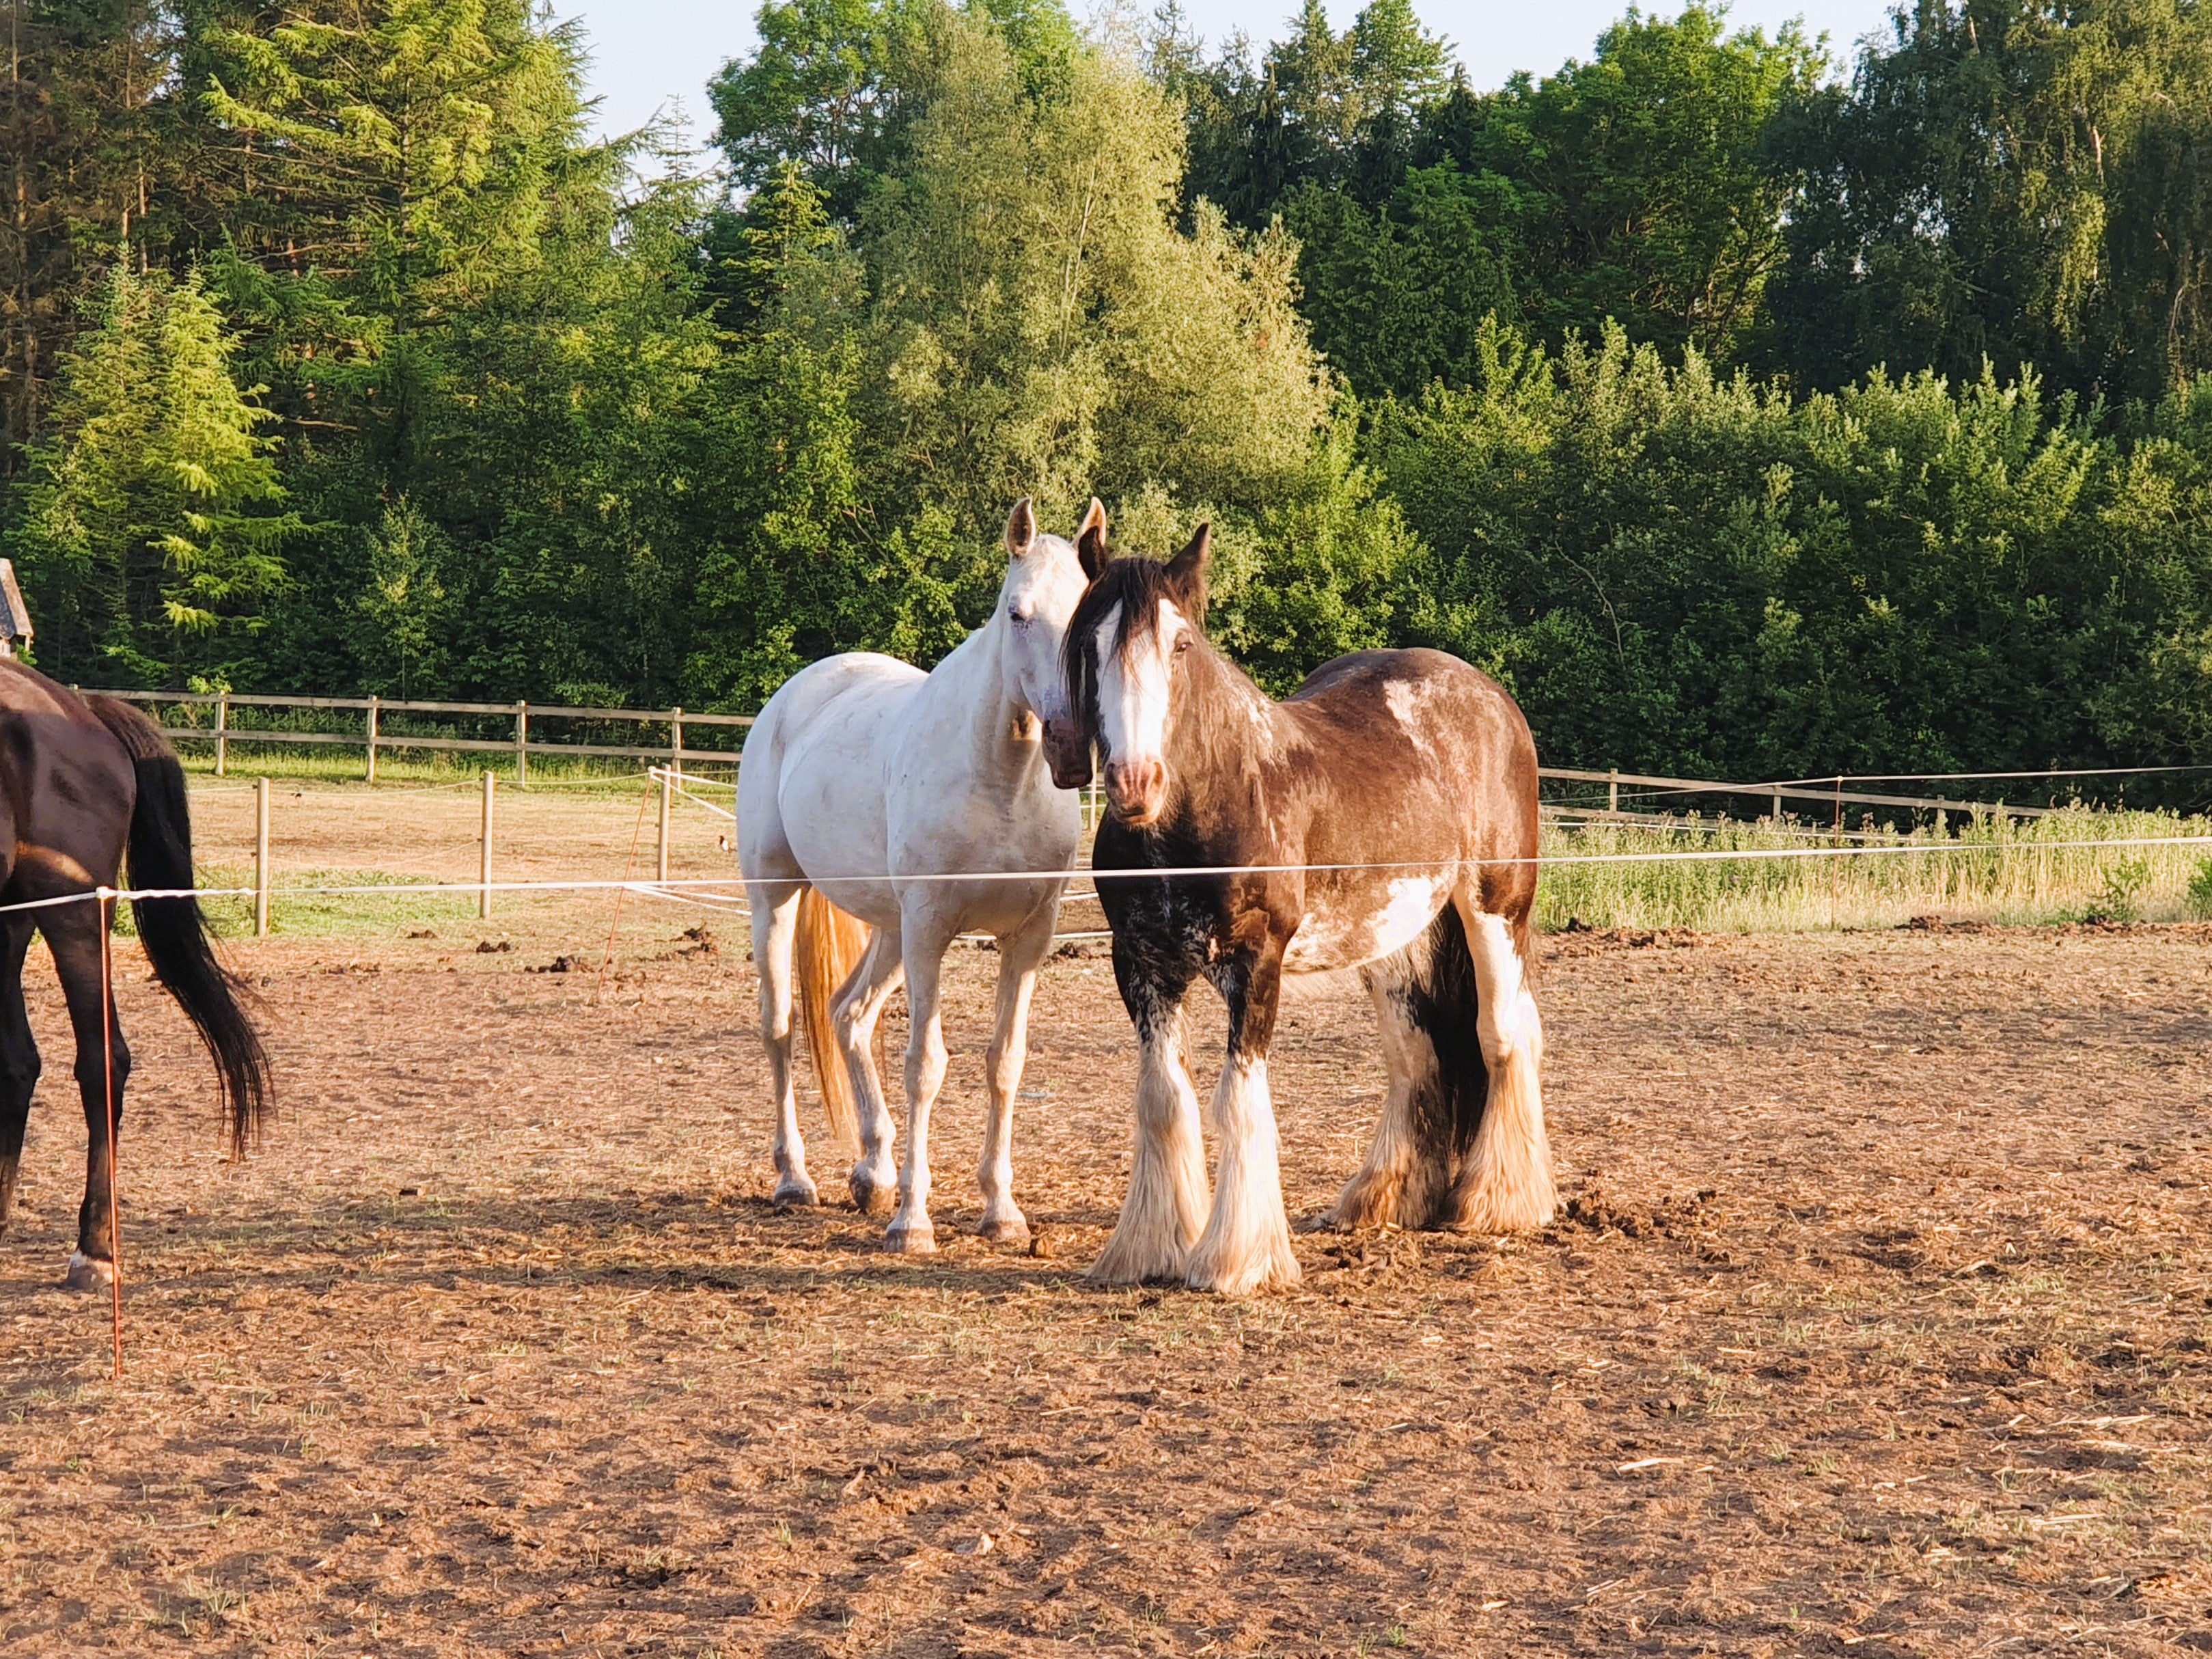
{"x": 1125, "y": 655}
{"x": 1045, "y": 576}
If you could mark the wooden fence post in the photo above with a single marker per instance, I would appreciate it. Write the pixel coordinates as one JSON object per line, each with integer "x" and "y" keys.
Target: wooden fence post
{"x": 667, "y": 797}
{"x": 675, "y": 740}
{"x": 521, "y": 745}
{"x": 484, "y": 865}
{"x": 373, "y": 713}
{"x": 261, "y": 858}
{"x": 221, "y": 733}
{"x": 1777, "y": 809}
{"x": 1613, "y": 790}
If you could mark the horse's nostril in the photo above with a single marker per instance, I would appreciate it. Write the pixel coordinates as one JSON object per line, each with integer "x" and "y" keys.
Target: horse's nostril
{"x": 1136, "y": 785}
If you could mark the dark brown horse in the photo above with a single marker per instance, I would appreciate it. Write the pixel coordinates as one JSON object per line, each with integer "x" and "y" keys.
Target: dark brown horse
{"x": 1383, "y": 819}
{"x": 82, "y": 779}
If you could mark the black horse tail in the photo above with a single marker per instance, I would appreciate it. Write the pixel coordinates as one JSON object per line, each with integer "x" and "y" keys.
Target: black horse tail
{"x": 175, "y": 931}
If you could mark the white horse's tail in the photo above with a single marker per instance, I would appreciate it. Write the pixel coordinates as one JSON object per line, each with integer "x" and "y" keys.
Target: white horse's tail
{"x": 831, "y": 944}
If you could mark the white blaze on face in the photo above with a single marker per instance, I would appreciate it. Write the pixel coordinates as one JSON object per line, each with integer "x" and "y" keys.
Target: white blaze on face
{"x": 1132, "y": 689}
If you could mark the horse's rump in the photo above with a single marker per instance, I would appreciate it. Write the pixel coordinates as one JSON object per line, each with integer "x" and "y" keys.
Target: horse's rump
{"x": 172, "y": 929}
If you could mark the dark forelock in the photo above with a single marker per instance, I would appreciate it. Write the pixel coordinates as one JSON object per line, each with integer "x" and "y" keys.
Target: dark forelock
{"x": 1136, "y": 585}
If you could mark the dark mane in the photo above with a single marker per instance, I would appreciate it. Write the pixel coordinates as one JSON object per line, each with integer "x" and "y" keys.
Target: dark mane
{"x": 1136, "y": 585}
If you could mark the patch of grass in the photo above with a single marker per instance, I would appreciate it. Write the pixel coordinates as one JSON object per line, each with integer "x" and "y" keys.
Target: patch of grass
{"x": 1991, "y": 870}
{"x": 410, "y": 901}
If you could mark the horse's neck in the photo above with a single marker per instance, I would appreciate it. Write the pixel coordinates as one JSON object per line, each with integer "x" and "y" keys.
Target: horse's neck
{"x": 1228, "y": 735}
{"x": 977, "y": 710}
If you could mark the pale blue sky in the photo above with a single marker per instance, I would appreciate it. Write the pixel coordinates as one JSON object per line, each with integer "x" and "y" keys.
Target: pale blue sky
{"x": 652, "y": 53}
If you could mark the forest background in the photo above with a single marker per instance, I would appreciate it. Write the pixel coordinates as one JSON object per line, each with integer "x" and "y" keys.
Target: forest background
{"x": 1753, "y": 414}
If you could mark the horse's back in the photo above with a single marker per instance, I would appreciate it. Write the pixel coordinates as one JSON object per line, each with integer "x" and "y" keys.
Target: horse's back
{"x": 1409, "y": 755}
{"x": 1443, "y": 706}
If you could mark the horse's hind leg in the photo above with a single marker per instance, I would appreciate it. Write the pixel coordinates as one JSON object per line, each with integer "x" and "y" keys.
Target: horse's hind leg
{"x": 103, "y": 1065}
{"x": 19, "y": 1057}
{"x": 1020, "y": 955}
{"x": 1402, "y": 1179}
{"x": 910, "y": 1232}
{"x": 859, "y": 1008}
{"x": 1505, "y": 1184}
{"x": 775, "y": 931}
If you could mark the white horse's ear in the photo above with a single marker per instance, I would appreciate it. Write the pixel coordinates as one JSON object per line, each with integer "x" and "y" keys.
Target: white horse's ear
{"x": 1021, "y": 528}
{"x": 1186, "y": 575}
{"x": 1090, "y": 540}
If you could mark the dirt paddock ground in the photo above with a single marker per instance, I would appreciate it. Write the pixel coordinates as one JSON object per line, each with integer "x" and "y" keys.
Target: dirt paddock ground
{"x": 1877, "y": 1325}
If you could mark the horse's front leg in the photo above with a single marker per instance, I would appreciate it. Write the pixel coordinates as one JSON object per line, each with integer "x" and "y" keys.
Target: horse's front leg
{"x": 1166, "y": 1201}
{"x": 910, "y": 1232}
{"x": 1245, "y": 1246}
{"x": 103, "y": 1065}
{"x": 1021, "y": 954}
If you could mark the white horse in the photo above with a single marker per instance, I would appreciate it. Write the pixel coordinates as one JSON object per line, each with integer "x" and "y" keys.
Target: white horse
{"x": 862, "y": 770}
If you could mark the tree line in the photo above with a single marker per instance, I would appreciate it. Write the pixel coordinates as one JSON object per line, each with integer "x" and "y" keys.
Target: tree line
{"x": 1752, "y": 412}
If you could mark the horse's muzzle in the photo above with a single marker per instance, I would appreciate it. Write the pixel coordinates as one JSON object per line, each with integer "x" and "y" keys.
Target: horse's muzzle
{"x": 1067, "y": 752}
{"x": 1136, "y": 790}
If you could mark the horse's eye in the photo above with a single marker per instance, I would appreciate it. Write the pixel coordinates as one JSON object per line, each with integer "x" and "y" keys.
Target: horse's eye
{"x": 1182, "y": 643}
{"x": 1022, "y": 617}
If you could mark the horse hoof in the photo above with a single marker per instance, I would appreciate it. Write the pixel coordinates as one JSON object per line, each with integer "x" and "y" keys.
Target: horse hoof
{"x": 900, "y": 1240}
{"x": 1013, "y": 1232}
{"x": 869, "y": 1199}
{"x": 795, "y": 1192}
{"x": 87, "y": 1273}
{"x": 1322, "y": 1221}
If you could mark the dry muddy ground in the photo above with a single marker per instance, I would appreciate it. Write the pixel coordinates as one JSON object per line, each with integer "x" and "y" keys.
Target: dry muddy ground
{"x": 1877, "y": 1324}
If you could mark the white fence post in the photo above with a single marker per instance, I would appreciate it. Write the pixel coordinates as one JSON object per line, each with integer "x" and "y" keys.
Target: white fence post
{"x": 483, "y": 866}
{"x": 261, "y": 860}
{"x": 221, "y": 732}
{"x": 522, "y": 745}
{"x": 373, "y": 712}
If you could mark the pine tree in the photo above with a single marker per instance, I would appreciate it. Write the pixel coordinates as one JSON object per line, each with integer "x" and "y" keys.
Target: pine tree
{"x": 86, "y": 95}
{"x": 152, "y": 527}
{"x": 386, "y": 168}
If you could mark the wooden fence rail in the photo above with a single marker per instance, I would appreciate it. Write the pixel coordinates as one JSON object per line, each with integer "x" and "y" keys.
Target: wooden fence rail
{"x": 372, "y": 737}
{"x": 1837, "y": 796}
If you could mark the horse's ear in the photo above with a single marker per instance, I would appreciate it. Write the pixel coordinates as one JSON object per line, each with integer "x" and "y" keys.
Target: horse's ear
{"x": 1090, "y": 540}
{"x": 1186, "y": 575}
{"x": 1021, "y": 528}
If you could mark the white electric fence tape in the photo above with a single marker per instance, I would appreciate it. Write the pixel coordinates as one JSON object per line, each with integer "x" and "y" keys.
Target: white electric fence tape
{"x": 711, "y": 891}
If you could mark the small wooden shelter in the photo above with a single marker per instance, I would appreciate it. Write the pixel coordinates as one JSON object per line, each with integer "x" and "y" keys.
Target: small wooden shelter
{"x": 14, "y": 615}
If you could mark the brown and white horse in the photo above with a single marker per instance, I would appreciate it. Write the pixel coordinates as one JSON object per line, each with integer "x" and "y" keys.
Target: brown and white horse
{"x": 1383, "y": 819}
